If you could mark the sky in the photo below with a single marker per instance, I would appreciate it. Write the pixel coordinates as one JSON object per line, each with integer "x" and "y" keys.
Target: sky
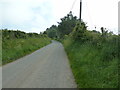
{"x": 37, "y": 15}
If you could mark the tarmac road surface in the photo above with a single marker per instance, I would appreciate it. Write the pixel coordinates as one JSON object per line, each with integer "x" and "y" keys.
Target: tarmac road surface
{"x": 47, "y": 67}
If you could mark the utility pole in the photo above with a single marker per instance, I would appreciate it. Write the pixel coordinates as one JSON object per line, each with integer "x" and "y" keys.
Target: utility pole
{"x": 80, "y": 9}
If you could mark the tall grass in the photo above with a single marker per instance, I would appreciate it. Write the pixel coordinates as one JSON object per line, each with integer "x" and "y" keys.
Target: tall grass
{"x": 93, "y": 66}
{"x": 13, "y": 49}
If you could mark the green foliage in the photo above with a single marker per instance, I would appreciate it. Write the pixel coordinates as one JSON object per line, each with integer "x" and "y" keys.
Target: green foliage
{"x": 67, "y": 24}
{"x": 20, "y": 44}
{"x": 52, "y": 31}
{"x": 65, "y": 27}
{"x": 10, "y": 34}
{"x": 104, "y": 32}
{"x": 93, "y": 57}
{"x": 33, "y": 35}
{"x": 79, "y": 32}
{"x": 93, "y": 67}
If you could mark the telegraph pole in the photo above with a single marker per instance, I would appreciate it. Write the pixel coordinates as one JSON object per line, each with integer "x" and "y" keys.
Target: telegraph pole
{"x": 80, "y": 9}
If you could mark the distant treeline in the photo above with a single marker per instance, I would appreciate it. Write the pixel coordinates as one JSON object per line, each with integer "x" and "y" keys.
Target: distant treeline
{"x": 67, "y": 26}
{"x": 64, "y": 27}
{"x": 17, "y": 34}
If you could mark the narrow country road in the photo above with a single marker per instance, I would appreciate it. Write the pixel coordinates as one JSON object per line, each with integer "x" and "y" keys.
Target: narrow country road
{"x": 45, "y": 68}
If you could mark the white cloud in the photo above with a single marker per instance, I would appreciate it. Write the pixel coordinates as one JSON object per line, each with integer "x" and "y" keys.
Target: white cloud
{"x": 25, "y": 14}
{"x": 29, "y": 15}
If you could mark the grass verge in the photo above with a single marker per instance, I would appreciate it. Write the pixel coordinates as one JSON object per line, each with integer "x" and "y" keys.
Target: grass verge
{"x": 93, "y": 66}
{"x": 15, "y": 48}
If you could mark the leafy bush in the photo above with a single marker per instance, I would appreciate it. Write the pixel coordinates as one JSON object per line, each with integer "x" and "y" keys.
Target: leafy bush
{"x": 93, "y": 67}
{"x": 93, "y": 57}
{"x": 16, "y": 44}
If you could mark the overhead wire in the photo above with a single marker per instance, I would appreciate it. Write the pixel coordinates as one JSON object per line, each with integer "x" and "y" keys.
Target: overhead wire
{"x": 73, "y": 5}
{"x": 89, "y": 16}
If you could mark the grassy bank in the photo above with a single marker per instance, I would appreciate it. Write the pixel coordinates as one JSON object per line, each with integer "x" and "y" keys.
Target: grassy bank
{"x": 13, "y": 49}
{"x": 93, "y": 66}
